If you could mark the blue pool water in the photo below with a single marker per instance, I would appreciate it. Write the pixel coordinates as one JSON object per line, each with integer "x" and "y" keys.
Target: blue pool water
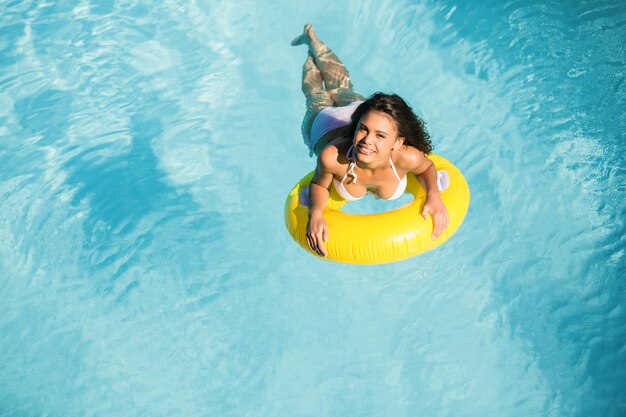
{"x": 146, "y": 149}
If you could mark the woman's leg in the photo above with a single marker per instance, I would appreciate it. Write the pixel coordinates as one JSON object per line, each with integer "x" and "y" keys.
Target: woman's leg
{"x": 334, "y": 73}
{"x": 316, "y": 97}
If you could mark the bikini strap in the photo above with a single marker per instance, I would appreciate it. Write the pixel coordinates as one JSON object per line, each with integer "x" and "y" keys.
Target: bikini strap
{"x": 351, "y": 156}
{"x": 394, "y": 170}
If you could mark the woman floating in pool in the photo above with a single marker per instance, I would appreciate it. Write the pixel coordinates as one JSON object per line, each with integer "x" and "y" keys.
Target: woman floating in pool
{"x": 361, "y": 144}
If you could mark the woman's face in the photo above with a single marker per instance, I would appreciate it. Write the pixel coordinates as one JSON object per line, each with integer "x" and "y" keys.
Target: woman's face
{"x": 375, "y": 137}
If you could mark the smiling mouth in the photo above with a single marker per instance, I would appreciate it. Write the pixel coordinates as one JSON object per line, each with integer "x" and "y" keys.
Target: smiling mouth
{"x": 364, "y": 151}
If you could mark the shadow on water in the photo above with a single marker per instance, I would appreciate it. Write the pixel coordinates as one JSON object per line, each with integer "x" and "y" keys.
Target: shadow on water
{"x": 129, "y": 199}
{"x": 45, "y": 114}
{"x": 123, "y": 189}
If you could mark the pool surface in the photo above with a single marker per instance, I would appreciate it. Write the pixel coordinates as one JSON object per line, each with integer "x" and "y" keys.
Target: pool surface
{"x": 146, "y": 151}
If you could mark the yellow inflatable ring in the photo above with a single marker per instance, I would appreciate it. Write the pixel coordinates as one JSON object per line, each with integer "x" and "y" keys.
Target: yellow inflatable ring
{"x": 382, "y": 237}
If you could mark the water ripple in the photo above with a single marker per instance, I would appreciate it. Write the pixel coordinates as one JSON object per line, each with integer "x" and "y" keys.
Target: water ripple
{"x": 146, "y": 154}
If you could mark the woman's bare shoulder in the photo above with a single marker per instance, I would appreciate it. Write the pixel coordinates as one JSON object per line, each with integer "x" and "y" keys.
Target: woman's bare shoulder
{"x": 332, "y": 158}
{"x": 409, "y": 157}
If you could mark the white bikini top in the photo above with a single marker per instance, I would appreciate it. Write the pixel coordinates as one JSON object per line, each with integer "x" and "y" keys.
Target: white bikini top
{"x": 341, "y": 189}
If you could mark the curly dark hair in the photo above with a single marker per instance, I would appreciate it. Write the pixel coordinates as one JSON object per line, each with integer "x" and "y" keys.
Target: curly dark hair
{"x": 409, "y": 125}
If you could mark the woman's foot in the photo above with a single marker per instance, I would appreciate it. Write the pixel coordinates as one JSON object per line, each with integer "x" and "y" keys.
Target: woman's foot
{"x": 308, "y": 37}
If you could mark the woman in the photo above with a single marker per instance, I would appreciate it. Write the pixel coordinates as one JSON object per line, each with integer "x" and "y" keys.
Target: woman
{"x": 362, "y": 145}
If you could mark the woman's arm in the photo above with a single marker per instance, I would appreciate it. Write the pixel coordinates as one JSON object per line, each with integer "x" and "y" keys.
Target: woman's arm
{"x": 427, "y": 174}
{"x": 317, "y": 228}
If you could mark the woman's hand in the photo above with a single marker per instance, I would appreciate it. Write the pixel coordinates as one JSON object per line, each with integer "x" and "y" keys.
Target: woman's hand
{"x": 317, "y": 233}
{"x": 434, "y": 205}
